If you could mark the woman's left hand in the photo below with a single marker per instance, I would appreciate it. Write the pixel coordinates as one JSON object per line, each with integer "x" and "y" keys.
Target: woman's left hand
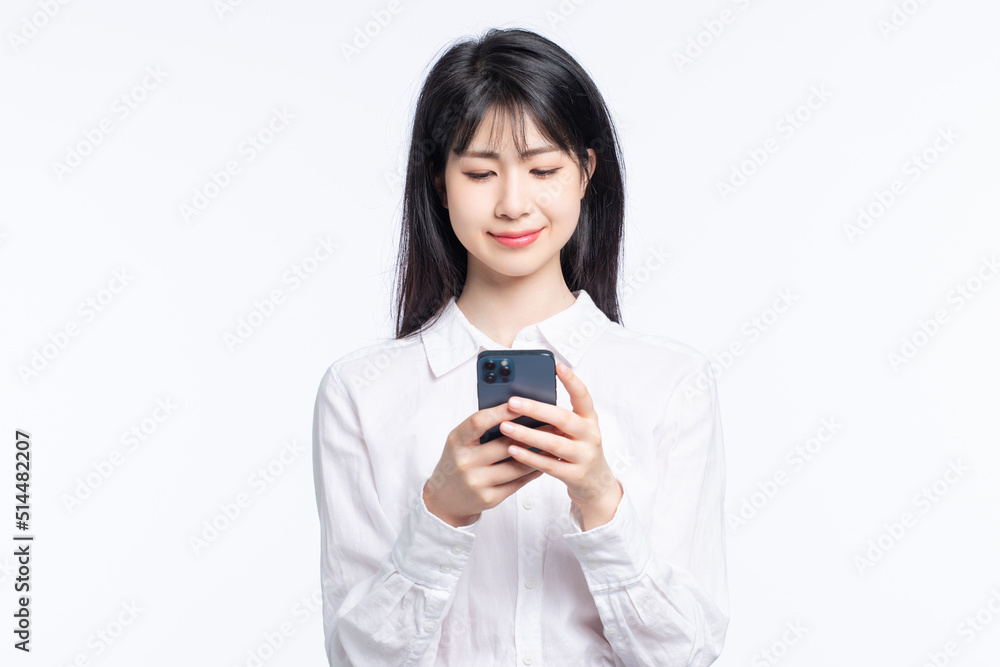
{"x": 571, "y": 449}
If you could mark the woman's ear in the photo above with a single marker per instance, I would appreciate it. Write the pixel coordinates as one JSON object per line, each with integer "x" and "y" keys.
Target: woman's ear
{"x": 439, "y": 186}
{"x": 591, "y": 166}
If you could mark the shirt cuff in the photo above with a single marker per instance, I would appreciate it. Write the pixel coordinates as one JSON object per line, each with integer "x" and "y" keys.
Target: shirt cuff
{"x": 615, "y": 554}
{"x": 430, "y": 551}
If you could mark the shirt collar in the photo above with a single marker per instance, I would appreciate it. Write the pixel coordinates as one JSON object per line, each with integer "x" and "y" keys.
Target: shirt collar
{"x": 452, "y": 339}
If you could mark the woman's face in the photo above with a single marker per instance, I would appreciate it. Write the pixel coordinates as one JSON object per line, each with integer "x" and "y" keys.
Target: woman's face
{"x": 513, "y": 215}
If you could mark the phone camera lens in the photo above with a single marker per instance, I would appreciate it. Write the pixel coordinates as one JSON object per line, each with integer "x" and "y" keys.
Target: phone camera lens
{"x": 490, "y": 378}
{"x": 489, "y": 365}
{"x": 505, "y": 371}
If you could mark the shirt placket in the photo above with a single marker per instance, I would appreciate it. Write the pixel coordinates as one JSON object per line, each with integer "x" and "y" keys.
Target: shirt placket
{"x": 529, "y": 513}
{"x": 528, "y": 612}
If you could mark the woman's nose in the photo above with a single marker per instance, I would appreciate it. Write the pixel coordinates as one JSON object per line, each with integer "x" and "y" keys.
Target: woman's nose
{"x": 515, "y": 197}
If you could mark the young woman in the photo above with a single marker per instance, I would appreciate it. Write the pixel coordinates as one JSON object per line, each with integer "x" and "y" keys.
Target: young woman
{"x": 606, "y": 546}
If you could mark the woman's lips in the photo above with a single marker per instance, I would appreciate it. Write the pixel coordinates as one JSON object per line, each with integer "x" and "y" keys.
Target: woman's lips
{"x": 518, "y": 241}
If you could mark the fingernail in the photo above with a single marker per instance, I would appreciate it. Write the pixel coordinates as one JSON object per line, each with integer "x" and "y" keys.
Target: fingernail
{"x": 514, "y": 402}
{"x": 506, "y": 427}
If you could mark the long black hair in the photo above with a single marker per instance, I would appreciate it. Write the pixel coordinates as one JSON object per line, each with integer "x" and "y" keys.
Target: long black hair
{"x": 518, "y": 73}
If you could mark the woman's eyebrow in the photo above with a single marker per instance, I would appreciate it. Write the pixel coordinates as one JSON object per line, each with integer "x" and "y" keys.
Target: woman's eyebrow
{"x": 493, "y": 155}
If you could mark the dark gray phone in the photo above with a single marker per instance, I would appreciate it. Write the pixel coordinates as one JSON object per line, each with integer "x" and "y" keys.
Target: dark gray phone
{"x": 505, "y": 373}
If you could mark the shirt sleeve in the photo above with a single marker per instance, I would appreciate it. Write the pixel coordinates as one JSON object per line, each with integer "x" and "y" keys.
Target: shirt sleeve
{"x": 661, "y": 589}
{"x": 385, "y": 591}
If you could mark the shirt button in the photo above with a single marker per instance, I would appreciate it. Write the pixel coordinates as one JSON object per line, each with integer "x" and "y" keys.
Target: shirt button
{"x": 592, "y": 564}
{"x": 529, "y": 582}
{"x": 612, "y": 631}
{"x": 528, "y": 503}
{"x": 446, "y": 568}
{"x": 457, "y": 549}
{"x": 585, "y": 550}
{"x": 429, "y": 626}
{"x": 527, "y": 660}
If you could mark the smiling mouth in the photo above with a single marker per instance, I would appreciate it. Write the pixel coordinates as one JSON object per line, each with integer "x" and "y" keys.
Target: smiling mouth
{"x": 516, "y": 236}
{"x": 519, "y": 241}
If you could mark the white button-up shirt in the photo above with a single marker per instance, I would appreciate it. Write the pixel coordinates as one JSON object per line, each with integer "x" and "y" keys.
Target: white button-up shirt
{"x": 523, "y": 585}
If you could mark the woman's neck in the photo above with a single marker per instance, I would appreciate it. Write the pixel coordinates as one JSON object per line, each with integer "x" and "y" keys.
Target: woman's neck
{"x": 501, "y": 312}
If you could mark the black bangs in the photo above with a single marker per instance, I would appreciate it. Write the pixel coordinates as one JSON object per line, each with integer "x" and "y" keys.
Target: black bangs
{"x": 515, "y": 111}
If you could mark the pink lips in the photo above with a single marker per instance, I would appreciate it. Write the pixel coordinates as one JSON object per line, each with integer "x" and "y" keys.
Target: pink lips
{"x": 517, "y": 241}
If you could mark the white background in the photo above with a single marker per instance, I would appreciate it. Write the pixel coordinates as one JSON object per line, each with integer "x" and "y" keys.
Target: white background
{"x": 333, "y": 173}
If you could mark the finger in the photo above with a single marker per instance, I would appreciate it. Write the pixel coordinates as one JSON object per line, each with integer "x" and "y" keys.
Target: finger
{"x": 549, "y": 428}
{"x": 510, "y": 487}
{"x": 562, "y": 419}
{"x": 583, "y": 405}
{"x": 508, "y": 470}
{"x": 547, "y": 464}
{"x": 555, "y": 445}
{"x": 494, "y": 452}
{"x": 481, "y": 421}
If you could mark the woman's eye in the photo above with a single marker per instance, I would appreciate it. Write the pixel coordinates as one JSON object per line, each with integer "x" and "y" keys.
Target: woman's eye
{"x": 541, "y": 173}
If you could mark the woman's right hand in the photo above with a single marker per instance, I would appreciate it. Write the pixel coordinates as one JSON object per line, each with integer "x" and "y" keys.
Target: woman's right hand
{"x": 468, "y": 478}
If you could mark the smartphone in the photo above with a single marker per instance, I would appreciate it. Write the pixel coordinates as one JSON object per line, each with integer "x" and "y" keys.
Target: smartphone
{"x": 504, "y": 373}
